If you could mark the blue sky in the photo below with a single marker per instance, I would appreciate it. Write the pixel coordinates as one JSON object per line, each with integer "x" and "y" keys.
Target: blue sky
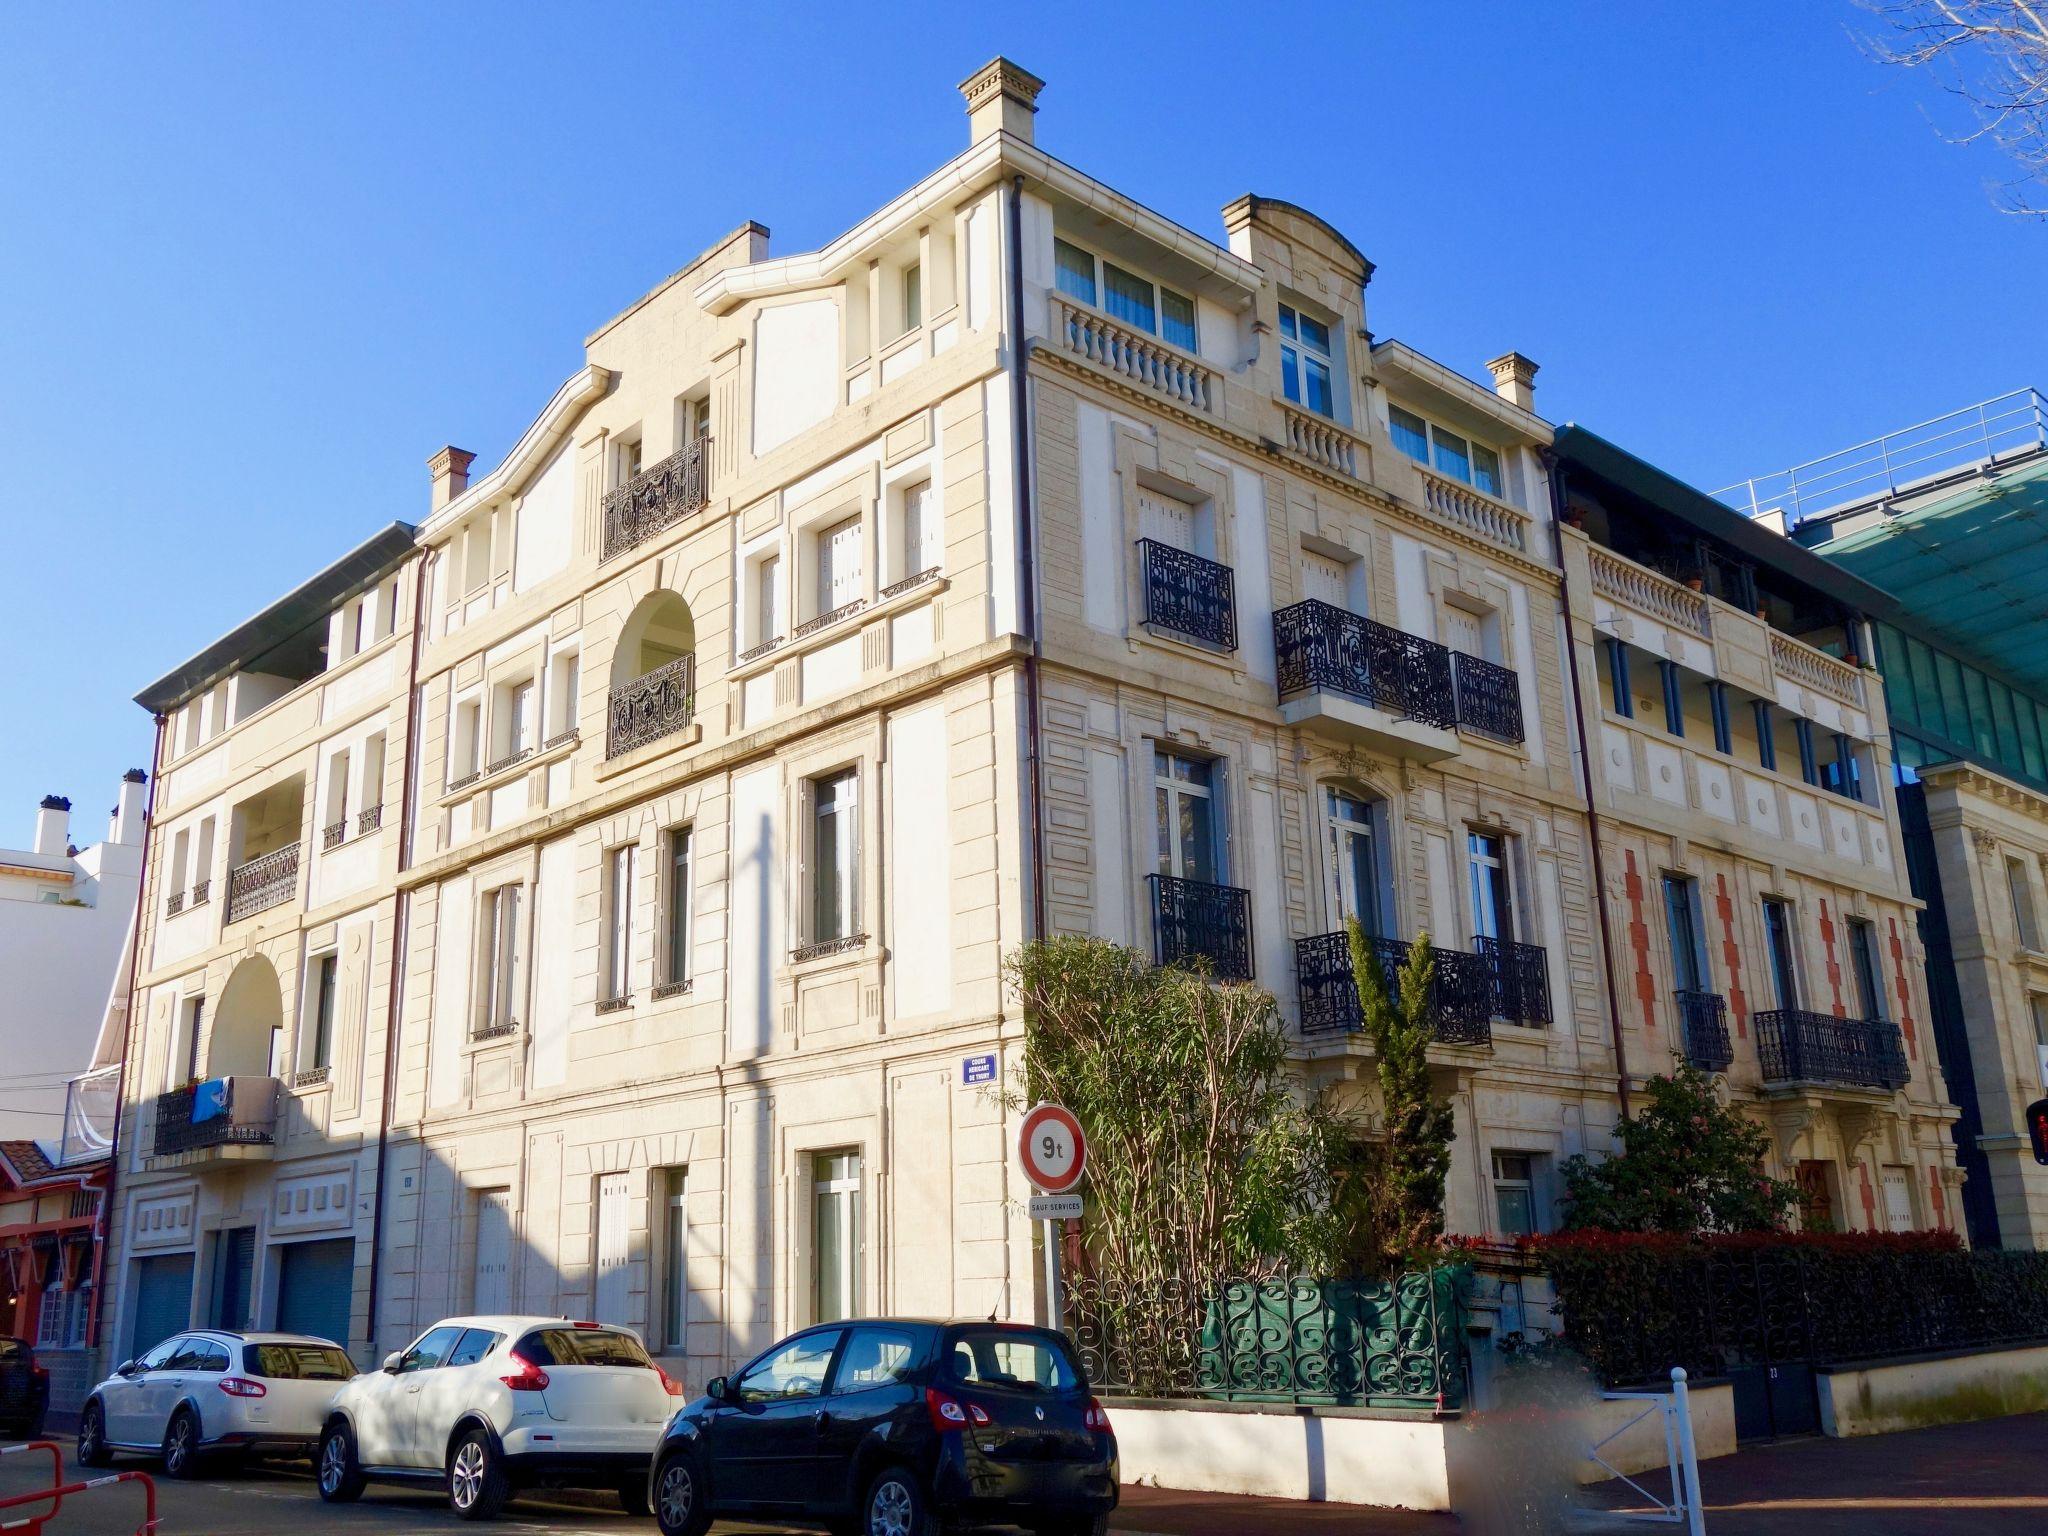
{"x": 257, "y": 262}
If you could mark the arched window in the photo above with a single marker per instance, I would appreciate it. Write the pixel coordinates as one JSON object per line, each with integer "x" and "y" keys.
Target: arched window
{"x": 248, "y": 1024}
{"x": 1356, "y": 830}
{"x": 654, "y": 673}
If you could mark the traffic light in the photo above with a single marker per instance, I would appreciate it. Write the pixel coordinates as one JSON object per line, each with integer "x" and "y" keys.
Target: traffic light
{"x": 2037, "y": 1129}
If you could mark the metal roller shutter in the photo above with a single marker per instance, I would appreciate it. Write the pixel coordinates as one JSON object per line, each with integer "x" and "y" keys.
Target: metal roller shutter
{"x": 314, "y": 1281}
{"x": 163, "y": 1300}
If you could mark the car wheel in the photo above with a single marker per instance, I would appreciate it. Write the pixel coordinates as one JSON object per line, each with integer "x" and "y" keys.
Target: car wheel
{"x": 680, "y": 1505}
{"x": 477, "y": 1482}
{"x": 896, "y": 1506}
{"x": 181, "y": 1445}
{"x": 338, "y": 1473}
{"x": 92, "y": 1436}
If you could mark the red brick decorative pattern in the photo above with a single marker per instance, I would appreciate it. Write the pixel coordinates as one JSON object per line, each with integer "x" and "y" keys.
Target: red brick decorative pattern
{"x": 1827, "y": 937}
{"x": 1731, "y": 956}
{"x": 1639, "y": 941}
{"x": 1905, "y": 995}
{"x": 1866, "y": 1197}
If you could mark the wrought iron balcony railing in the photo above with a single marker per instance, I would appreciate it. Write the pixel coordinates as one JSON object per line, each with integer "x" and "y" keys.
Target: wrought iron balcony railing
{"x": 369, "y": 818}
{"x": 202, "y": 892}
{"x": 1522, "y": 977}
{"x": 1489, "y": 697}
{"x": 1463, "y": 990}
{"x": 1194, "y": 920}
{"x": 175, "y": 904}
{"x": 1319, "y": 645}
{"x": 659, "y": 497}
{"x": 1704, "y": 1018}
{"x": 1189, "y": 595}
{"x": 248, "y": 1118}
{"x": 265, "y": 882}
{"x": 334, "y": 834}
{"x": 651, "y": 706}
{"x": 1797, "y": 1045}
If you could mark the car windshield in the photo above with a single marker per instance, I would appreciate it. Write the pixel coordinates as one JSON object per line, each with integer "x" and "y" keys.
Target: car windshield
{"x": 1004, "y": 1357}
{"x": 582, "y": 1346}
{"x": 298, "y": 1362}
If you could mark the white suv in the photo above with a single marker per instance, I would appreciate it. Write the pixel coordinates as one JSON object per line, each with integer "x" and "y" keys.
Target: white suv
{"x": 211, "y": 1391}
{"x": 492, "y": 1404}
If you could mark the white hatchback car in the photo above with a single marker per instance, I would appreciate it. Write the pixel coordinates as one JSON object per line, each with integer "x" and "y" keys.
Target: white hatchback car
{"x": 488, "y": 1405}
{"x": 214, "y": 1391}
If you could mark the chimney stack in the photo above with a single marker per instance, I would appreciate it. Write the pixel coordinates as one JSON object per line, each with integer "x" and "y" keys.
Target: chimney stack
{"x": 1001, "y": 98}
{"x": 451, "y": 474}
{"x": 53, "y": 826}
{"x": 129, "y": 814}
{"x": 1514, "y": 379}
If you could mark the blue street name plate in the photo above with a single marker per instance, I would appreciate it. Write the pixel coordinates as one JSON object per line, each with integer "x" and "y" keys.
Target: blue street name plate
{"x": 978, "y": 1069}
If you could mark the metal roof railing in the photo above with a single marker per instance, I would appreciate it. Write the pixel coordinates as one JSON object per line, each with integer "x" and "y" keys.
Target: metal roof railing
{"x": 1977, "y": 434}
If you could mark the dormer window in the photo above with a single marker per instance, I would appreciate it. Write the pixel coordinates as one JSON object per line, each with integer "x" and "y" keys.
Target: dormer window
{"x": 1446, "y": 451}
{"x": 1135, "y": 301}
{"x": 1305, "y": 361}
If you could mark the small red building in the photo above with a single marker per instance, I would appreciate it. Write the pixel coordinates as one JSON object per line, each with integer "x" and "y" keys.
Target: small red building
{"x": 49, "y": 1222}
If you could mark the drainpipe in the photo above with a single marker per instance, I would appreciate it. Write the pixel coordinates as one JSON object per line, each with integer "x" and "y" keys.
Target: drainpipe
{"x": 1020, "y": 396}
{"x": 106, "y": 1221}
{"x": 1564, "y": 592}
{"x": 401, "y": 918}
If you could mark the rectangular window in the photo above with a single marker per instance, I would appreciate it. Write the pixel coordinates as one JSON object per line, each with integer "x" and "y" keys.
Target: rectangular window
{"x": 839, "y": 573}
{"x": 1305, "y": 359}
{"x": 913, "y": 297}
{"x": 1073, "y": 271}
{"x": 1189, "y": 823}
{"x": 195, "y": 1018}
{"x": 920, "y": 530}
{"x": 2037, "y": 1004}
{"x": 319, "y": 1052}
{"x": 1354, "y": 857}
{"x": 768, "y": 615}
{"x": 465, "y": 741}
{"x": 677, "y": 903}
{"x": 836, "y": 1234}
{"x": 835, "y": 857}
{"x": 1411, "y": 433}
{"x": 1451, "y": 453}
{"x": 1869, "y": 974}
{"x": 499, "y": 992}
{"x": 696, "y": 418}
{"x": 519, "y": 718}
{"x": 1493, "y": 911}
{"x": 2021, "y": 890}
{"x": 1128, "y": 297}
{"x": 1177, "y": 319}
{"x": 675, "y": 1260}
{"x": 565, "y": 681}
{"x": 1682, "y": 913}
{"x": 618, "y": 920}
{"x": 1778, "y": 943}
{"x": 1514, "y": 1193}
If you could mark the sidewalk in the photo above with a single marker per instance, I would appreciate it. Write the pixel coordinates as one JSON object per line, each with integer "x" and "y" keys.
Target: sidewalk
{"x": 1166, "y": 1512}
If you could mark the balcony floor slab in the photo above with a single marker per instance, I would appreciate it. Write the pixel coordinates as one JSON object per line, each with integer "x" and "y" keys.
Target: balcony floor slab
{"x": 1347, "y": 719}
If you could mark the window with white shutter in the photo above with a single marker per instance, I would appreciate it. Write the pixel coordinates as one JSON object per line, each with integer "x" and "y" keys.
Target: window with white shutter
{"x": 1167, "y": 519}
{"x": 614, "y": 1247}
{"x": 1325, "y": 580}
{"x": 839, "y": 573}
{"x": 920, "y": 530}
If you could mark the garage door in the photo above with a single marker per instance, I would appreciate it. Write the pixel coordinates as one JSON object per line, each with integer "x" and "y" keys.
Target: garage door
{"x": 313, "y": 1285}
{"x": 163, "y": 1300}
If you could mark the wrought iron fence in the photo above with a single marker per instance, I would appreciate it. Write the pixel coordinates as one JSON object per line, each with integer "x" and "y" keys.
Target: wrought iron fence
{"x": 1637, "y": 1309}
{"x": 1318, "y": 645}
{"x": 1797, "y": 1045}
{"x": 1522, "y": 976}
{"x": 1396, "y": 1343}
{"x": 1703, "y": 1016}
{"x": 1192, "y": 919}
{"x": 1462, "y": 993}
{"x": 1489, "y": 696}
{"x": 659, "y": 497}
{"x": 1189, "y": 595}
{"x": 263, "y": 883}
{"x": 653, "y": 705}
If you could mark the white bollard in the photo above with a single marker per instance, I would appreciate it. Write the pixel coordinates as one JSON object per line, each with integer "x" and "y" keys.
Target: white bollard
{"x": 1688, "y": 1459}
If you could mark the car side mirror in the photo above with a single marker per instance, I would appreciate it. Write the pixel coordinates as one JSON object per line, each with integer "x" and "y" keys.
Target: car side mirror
{"x": 125, "y": 1368}
{"x": 716, "y": 1388}
{"x": 393, "y": 1361}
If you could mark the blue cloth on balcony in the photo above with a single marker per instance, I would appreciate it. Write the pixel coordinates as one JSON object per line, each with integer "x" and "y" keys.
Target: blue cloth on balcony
{"x": 210, "y": 1100}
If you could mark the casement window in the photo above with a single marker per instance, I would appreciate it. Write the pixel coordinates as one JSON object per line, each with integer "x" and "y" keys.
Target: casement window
{"x": 1325, "y": 580}
{"x": 676, "y": 909}
{"x": 318, "y": 1052}
{"x": 2021, "y": 890}
{"x": 565, "y": 682}
{"x": 839, "y": 566}
{"x": 500, "y": 951}
{"x": 674, "y": 1240}
{"x": 835, "y": 857}
{"x": 625, "y": 462}
{"x": 1493, "y": 907}
{"x": 835, "y": 1236}
{"x": 1868, "y": 969}
{"x": 1448, "y": 453}
{"x": 618, "y": 920}
{"x": 1514, "y": 1193}
{"x": 1354, "y": 832}
{"x": 1305, "y": 362}
{"x": 920, "y": 531}
{"x": 465, "y": 741}
{"x": 1474, "y": 629}
{"x": 1174, "y": 521}
{"x": 1124, "y": 296}
{"x": 1190, "y": 824}
{"x": 1682, "y": 916}
{"x": 370, "y": 793}
{"x": 769, "y": 617}
{"x": 185, "y": 1062}
{"x": 334, "y": 819}
{"x": 181, "y": 849}
{"x": 202, "y": 862}
{"x": 2037, "y": 1006}
{"x": 1778, "y": 946}
{"x": 910, "y": 300}
{"x": 693, "y": 419}
{"x": 515, "y": 705}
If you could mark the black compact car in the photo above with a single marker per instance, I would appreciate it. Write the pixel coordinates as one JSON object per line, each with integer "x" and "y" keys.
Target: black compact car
{"x": 895, "y": 1427}
{"x": 24, "y": 1389}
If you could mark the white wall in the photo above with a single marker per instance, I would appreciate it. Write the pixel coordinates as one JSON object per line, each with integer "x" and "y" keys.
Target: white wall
{"x": 547, "y": 523}
{"x": 796, "y": 369}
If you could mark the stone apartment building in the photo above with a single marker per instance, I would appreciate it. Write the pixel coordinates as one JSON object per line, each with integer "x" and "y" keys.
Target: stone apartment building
{"x": 1019, "y": 562}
